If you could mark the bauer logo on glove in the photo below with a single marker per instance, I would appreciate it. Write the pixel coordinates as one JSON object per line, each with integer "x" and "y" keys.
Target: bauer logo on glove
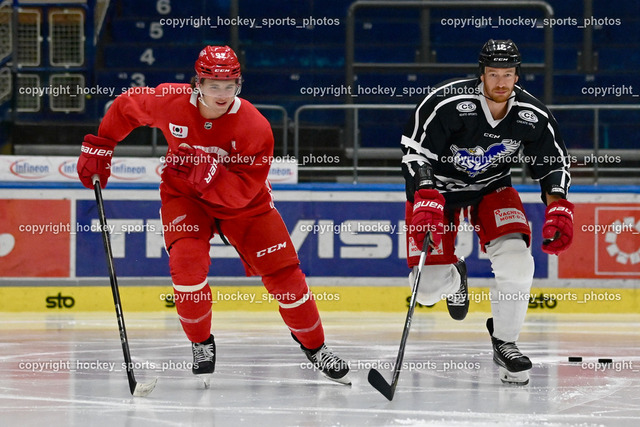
{"x": 96, "y": 151}
{"x": 212, "y": 171}
{"x": 428, "y": 204}
{"x": 95, "y": 159}
{"x": 557, "y": 231}
{"x": 193, "y": 165}
{"x": 558, "y": 209}
{"x": 428, "y": 215}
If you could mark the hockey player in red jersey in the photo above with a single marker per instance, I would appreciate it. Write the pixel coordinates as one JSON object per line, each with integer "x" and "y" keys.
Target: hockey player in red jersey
{"x": 469, "y": 132}
{"x": 215, "y": 182}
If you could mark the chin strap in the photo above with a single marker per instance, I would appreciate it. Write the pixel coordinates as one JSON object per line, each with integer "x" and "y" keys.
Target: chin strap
{"x": 201, "y": 99}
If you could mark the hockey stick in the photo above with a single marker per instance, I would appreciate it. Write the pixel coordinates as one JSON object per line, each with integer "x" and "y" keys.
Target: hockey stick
{"x": 552, "y": 239}
{"x": 137, "y": 389}
{"x": 375, "y": 378}
{"x": 425, "y": 179}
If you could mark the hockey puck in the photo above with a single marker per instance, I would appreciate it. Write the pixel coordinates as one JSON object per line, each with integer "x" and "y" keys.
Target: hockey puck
{"x": 605, "y": 361}
{"x": 575, "y": 358}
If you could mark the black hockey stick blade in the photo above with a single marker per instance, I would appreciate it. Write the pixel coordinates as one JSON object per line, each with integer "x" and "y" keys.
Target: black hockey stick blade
{"x": 379, "y": 383}
{"x": 137, "y": 389}
{"x": 425, "y": 180}
{"x": 375, "y": 378}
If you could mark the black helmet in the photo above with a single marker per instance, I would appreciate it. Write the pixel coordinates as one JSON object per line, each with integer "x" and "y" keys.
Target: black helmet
{"x": 499, "y": 54}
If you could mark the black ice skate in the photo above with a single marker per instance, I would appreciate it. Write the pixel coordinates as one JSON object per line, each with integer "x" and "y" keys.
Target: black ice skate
{"x": 328, "y": 363}
{"x": 204, "y": 359}
{"x": 458, "y": 303}
{"x": 514, "y": 366}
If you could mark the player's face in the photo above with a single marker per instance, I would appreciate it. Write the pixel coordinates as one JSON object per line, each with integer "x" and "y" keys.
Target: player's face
{"x": 218, "y": 94}
{"x": 499, "y": 82}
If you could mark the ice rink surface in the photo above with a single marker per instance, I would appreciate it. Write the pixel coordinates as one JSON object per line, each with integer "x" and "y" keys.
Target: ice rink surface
{"x": 66, "y": 370}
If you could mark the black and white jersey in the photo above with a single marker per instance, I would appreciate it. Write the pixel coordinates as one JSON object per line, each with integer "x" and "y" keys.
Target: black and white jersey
{"x": 471, "y": 153}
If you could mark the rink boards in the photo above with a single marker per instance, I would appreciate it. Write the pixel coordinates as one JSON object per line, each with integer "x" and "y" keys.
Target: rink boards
{"x": 350, "y": 241}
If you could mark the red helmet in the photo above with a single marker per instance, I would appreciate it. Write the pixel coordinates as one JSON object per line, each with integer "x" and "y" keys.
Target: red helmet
{"x": 218, "y": 62}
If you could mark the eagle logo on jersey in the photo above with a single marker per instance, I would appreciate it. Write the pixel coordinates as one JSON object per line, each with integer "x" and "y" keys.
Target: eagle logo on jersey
{"x": 477, "y": 160}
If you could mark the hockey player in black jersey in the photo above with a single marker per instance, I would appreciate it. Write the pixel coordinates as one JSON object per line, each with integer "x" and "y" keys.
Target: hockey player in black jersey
{"x": 469, "y": 132}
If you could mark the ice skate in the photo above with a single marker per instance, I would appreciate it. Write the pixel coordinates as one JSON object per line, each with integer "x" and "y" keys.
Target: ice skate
{"x": 458, "y": 303}
{"x": 329, "y": 364}
{"x": 204, "y": 360}
{"x": 326, "y": 362}
{"x": 514, "y": 366}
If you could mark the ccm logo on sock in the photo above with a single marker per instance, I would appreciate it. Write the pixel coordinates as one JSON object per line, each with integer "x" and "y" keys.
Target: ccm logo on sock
{"x": 271, "y": 249}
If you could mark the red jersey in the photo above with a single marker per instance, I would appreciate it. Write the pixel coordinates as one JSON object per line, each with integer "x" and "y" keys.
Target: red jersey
{"x": 241, "y": 138}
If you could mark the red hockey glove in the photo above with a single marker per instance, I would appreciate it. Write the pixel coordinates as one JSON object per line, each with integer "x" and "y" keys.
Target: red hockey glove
{"x": 557, "y": 232}
{"x": 192, "y": 165}
{"x": 428, "y": 215}
{"x": 95, "y": 159}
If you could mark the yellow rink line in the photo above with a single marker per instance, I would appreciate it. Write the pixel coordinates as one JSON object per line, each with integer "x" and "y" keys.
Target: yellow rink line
{"x": 53, "y": 299}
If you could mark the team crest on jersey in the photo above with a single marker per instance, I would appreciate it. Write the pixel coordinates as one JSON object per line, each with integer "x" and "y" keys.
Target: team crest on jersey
{"x": 528, "y": 115}
{"x": 178, "y": 131}
{"x": 208, "y": 125}
{"x": 466, "y": 107}
{"x": 477, "y": 160}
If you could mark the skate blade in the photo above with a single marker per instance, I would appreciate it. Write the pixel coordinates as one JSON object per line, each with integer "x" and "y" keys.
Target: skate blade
{"x": 516, "y": 378}
{"x": 205, "y": 379}
{"x": 344, "y": 380}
